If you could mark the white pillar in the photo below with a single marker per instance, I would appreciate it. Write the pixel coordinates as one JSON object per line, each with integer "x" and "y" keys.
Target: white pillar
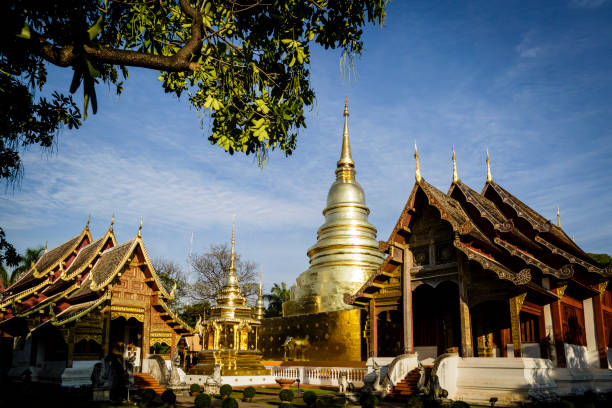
{"x": 590, "y": 332}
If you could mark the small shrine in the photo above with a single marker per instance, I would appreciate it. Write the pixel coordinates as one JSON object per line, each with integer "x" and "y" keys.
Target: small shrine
{"x": 230, "y": 334}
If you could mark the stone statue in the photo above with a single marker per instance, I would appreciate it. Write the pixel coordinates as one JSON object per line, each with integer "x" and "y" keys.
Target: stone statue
{"x": 295, "y": 348}
{"x": 130, "y": 357}
{"x": 371, "y": 382}
{"x": 175, "y": 378}
{"x": 342, "y": 383}
{"x": 213, "y": 383}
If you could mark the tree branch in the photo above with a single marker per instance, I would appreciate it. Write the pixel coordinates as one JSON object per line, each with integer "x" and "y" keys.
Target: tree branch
{"x": 69, "y": 54}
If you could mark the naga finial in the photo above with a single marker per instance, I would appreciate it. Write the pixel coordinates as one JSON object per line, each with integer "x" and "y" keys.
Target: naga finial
{"x": 455, "y": 175}
{"x": 489, "y": 177}
{"x": 558, "y": 217}
{"x": 417, "y": 173}
{"x": 140, "y": 228}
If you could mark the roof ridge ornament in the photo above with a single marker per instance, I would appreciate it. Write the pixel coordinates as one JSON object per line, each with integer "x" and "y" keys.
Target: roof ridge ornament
{"x": 139, "y": 235}
{"x": 417, "y": 173}
{"x": 88, "y": 221}
{"x": 558, "y": 218}
{"x": 455, "y": 175}
{"x": 112, "y": 221}
{"x": 489, "y": 177}
{"x": 345, "y": 167}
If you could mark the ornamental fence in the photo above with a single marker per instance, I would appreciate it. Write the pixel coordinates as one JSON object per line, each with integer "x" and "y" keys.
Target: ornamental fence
{"x": 319, "y": 375}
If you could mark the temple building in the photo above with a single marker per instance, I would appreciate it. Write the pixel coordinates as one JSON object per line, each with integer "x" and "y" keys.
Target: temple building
{"x": 82, "y": 301}
{"x": 230, "y": 334}
{"x": 483, "y": 274}
{"x": 346, "y": 252}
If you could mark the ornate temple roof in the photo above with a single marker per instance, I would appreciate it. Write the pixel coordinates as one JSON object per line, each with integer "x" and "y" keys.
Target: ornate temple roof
{"x": 494, "y": 229}
{"x": 70, "y": 289}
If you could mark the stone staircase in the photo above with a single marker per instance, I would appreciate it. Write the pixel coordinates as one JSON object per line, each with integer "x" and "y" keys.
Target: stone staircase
{"x": 144, "y": 381}
{"x": 408, "y": 386}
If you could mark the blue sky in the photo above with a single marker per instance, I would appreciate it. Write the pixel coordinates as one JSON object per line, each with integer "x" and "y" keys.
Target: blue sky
{"x": 532, "y": 81}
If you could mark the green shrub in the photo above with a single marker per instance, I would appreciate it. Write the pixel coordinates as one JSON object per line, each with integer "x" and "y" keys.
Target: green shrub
{"x": 368, "y": 401}
{"x": 414, "y": 402}
{"x": 225, "y": 390}
{"x": 285, "y": 405}
{"x": 229, "y": 402}
{"x": 195, "y": 388}
{"x": 309, "y": 398}
{"x": 148, "y": 395}
{"x": 460, "y": 404}
{"x": 248, "y": 392}
{"x": 565, "y": 404}
{"x": 168, "y": 398}
{"x": 286, "y": 395}
{"x": 202, "y": 401}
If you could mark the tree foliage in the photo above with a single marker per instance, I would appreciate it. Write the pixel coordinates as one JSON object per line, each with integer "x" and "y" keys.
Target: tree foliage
{"x": 210, "y": 270}
{"x": 245, "y": 62}
{"x": 602, "y": 259}
{"x": 191, "y": 312}
{"x": 23, "y": 264}
{"x": 277, "y": 296}
{"x": 170, "y": 273}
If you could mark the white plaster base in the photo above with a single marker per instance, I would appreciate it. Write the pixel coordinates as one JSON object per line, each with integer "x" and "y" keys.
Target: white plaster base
{"x": 79, "y": 374}
{"x": 512, "y": 380}
{"x": 242, "y": 380}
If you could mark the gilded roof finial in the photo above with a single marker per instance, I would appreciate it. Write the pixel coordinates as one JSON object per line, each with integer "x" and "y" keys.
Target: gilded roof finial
{"x": 417, "y": 174}
{"x": 345, "y": 166}
{"x": 489, "y": 177}
{"x": 233, "y": 253}
{"x": 88, "y": 220}
{"x": 140, "y": 228}
{"x": 573, "y": 238}
{"x": 455, "y": 175}
{"x": 46, "y": 246}
{"x": 558, "y": 218}
{"x": 112, "y": 221}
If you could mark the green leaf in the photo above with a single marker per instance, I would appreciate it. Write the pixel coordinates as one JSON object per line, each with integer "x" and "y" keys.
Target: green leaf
{"x": 25, "y": 32}
{"x": 96, "y": 29}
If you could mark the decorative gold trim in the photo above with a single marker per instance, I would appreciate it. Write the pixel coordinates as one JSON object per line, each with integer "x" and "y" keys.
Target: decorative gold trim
{"x": 508, "y": 200}
{"x": 13, "y": 299}
{"x": 87, "y": 337}
{"x": 521, "y": 278}
{"x": 561, "y": 291}
{"x": 563, "y": 273}
{"x": 602, "y": 288}
{"x": 97, "y": 303}
{"x": 46, "y": 302}
{"x": 558, "y": 251}
{"x": 127, "y": 312}
{"x": 120, "y": 264}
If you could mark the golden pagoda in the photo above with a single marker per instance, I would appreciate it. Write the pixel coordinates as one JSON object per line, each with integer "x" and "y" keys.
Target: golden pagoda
{"x": 346, "y": 252}
{"x": 229, "y": 335}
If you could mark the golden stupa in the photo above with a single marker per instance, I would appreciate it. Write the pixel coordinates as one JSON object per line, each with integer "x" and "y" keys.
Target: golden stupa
{"x": 230, "y": 335}
{"x": 346, "y": 252}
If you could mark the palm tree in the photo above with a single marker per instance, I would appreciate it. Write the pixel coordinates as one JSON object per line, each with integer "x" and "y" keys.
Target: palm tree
{"x": 276, "y": 297}
{"x": 25, "y": 262}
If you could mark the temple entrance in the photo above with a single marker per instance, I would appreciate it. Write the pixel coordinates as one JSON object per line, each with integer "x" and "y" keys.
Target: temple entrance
{"x": 436, "y": 319}
{"x": 126, "y": 340}
{"x": 491, "y": 328}
{"x": 390, "y": 336}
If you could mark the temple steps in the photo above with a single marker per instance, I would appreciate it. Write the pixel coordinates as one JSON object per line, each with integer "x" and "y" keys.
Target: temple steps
{"x": 408, "y": 386}
{"x": 144, "y": 381}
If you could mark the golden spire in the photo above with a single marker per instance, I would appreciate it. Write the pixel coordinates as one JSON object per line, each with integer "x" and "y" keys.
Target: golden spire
{"x": 112, "y": 222}
{"x": 46, "y": 243}
{"x": 455, "y": 175}
{"x": 88, "y": 220}
{"x": 259, "y": 304}
{"x": 345, "y": 166}
{"x": 232, "y": 268}
{"x": 417, "y": 174}
{"x": 573, "y": 238}
{"x": 558, "y": 218}
{"x": 140, "y": 228}
{"x": 489, "y": 177}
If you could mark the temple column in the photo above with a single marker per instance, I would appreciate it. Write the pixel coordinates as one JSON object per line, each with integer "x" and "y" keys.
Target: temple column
{"x": 467, "y": 349}
{"x": 173, "y": 345}
{"x": 407, "y": 301}
{"x": 70, "y": 343}
{"x": 557, "y": 318}
{"x": 602, "y": 347}
{"x": 516, "y": 303}
{"x": 374, "y": 326}
{"x": 146, "y": 332}
{"x": 106, "y": 331}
